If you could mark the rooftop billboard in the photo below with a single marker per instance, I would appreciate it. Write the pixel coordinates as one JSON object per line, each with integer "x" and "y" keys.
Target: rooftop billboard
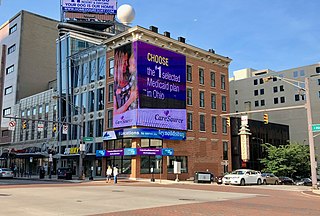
{"x": 90, "y": 6}
{"x": 150, "y": 87}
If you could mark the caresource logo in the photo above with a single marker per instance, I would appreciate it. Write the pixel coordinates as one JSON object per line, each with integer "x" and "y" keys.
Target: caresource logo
{"x": 167, "y": 117}
{"x": 122, "y": 120}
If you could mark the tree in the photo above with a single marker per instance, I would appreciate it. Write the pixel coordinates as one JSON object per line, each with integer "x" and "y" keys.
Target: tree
{"x": 287, "y": 160}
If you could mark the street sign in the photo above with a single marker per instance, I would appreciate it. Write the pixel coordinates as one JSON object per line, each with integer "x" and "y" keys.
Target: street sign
{"x": 12, "y": 125}
{"x": 65, "y": 129}
{"x": 316, "y": 128}
{"x": 40, "y": 126}
{"x": 87, "y": 139}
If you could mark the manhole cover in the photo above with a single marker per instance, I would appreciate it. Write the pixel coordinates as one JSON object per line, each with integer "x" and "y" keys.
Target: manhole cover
{"x": 5, "y": 195}
{"x": 117, "y": 191}
{"x": 187, "y": 199}
{"x": 79, "y": 200}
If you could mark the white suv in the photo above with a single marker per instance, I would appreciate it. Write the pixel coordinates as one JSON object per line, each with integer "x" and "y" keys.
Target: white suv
{"x": 243, "y": 177}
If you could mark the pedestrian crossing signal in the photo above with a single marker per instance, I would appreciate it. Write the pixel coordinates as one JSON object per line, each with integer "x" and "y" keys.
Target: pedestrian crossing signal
{"x": 265, "y": 118}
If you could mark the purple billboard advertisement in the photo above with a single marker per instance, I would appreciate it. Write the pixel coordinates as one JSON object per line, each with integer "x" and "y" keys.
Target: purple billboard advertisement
{"x": 150, "y": 87}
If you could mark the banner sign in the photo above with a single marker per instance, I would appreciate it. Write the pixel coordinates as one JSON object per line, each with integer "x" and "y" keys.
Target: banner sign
{"x": 100, "y": 153}
{"x": 90, "y": 6}
{"x": 114, "y": 152}
{"x": 149, "y": 151}
{"x": 130, "y": 151}
{"x": 167, "y": 151}
{"x": 145, "y": 133}
{"x": 150, "y": 87}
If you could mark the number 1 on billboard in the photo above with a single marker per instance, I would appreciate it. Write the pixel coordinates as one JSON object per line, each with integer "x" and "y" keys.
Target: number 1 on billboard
{"x": 158, "y": 68}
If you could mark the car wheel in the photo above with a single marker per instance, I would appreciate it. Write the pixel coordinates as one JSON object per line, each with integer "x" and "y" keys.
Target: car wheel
{"x": 265, "y": 182}
{"x": 242, "y": 182}
{"x": 276, "y": 182}
{"x": 259, "y": 182}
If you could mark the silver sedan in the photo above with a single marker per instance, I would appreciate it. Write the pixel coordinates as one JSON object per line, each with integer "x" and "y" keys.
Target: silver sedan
{"x": 6, "y": 173}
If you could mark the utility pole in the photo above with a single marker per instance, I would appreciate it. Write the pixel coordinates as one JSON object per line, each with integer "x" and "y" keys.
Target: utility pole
{"x": 310, "y": 134}
{"x": 82, "y": 147}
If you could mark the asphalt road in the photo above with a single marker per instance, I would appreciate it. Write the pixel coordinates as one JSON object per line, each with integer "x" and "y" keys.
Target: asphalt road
{"x": 145, "y": 198}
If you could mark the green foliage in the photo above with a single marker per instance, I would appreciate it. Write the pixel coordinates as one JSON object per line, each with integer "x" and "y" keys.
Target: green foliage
{"x": 287, "y": 160}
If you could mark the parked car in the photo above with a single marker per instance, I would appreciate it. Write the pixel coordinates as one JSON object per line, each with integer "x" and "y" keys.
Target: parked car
{"x": 283, "y": 180}
{"x": 270, "y": 178}
{"x": 64, "y": 173}
{"x": 6, "y": 173}
{"x": 304, "y": 181}
{"x": 243, "y": 177}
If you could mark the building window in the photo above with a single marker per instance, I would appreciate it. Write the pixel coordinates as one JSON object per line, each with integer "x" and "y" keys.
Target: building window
{"x": 92, "y": 71}
{"x": 202, "y": 123}
{"x": 201, "y": 98}
{"x": 99, "y": 127}
{"x": 223, "y": 82}
{"x": 110, "y": 118}
{"x": 302, "y": 74}
{"x": 102, "y": 67}
{"x": 255, "y": 82}
{"x": 225, "y": 150}
{"x": 317, "y": 69}
{"x": 34, "y": 111}
{"x": 201, "y": 76}
{"x": 10, "y": 69}
{"x": 224, "y": 125}
{"x": 189, "y": 96}
{"x": 213, "y": 101}
{"x": 110, "y": 92}
{"x": 91, "y": 101}
{"x": 275, "y": 100}
{"x": 6, "y": 111}
{"x": 236, "y": 91}
{"x": 13, "y": 29}
{"x": 237, "y": 102}
{"x": 213, "y": 124}
{"x": 189, "y": 73}
{"x": 8, "y": 90}
{"x": 256, "y": 103}
{"x": 224, "y": 103}
{"x": 295, "y": 74}
{"x": 100, "y": 99}
{"x": 182, "y": 159}
{"x": 275, "y": 89}
{"x": 261, "y": 91}
{"x": 213, "y": 79}
{"x": 189, "y": 121}
{"x": 297, "y": 97}
{"x": 256, "y": 92}
{"x": 261, "y": 80}
{"x": 262, "y": 103}
{"x": 274, "y": 79}
{"x": 111, "y": 67}
{"x": 11, "y": 49}
{"x": 281, "y": 88}
{"x": 282, "y": 99}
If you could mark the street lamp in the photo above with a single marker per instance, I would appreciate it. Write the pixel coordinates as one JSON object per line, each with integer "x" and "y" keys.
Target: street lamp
{"x": 82, "y": 147}
{"x": 309, "y": 120}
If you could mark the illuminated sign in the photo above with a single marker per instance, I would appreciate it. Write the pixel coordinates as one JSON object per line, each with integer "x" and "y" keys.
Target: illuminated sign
{"x": 90, "y": 6}
{"x": 150, "y": 87}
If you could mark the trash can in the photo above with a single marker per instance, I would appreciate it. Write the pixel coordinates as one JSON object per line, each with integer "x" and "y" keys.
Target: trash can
{"x": 68, "y": 175}
{"x": 203, "y": 177}
{"x": 41, "y": 174}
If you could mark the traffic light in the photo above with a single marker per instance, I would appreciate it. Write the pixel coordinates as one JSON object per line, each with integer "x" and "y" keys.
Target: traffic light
{"x": 24, "y": 124}
{"x": 54, "y": 128}
{"x": 265, "y": 118}
{"x": 228, "y": 121}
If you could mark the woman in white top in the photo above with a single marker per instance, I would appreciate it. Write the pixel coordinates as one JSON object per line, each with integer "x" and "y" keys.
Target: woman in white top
{"x": 108, "y": 174}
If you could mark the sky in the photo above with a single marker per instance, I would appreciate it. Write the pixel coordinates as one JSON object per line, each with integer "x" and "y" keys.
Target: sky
{"x": 258, "y": 34}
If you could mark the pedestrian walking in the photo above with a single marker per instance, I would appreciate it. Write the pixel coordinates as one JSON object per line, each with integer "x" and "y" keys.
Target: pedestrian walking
{"x": 115, "y": 174}
{"x": 108, "y": 174}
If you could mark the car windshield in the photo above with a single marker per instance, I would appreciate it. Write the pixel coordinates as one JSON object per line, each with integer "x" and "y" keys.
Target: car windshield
{"x": 6, "y": 169}
{"x": 238, "y": 172}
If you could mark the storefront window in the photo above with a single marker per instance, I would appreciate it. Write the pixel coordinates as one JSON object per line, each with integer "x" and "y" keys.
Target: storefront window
{"x": 182, "y": 159}
{"x": 148, "y": 163}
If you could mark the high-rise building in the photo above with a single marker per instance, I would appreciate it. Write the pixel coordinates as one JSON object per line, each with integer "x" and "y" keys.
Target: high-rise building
{"x": 252, "y": 90}
{"x": 27, "y": 61}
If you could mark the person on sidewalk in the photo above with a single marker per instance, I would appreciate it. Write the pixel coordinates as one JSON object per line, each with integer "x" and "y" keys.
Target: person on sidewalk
{"x": 108, "y": 174}
{"x": 115, "y": 174}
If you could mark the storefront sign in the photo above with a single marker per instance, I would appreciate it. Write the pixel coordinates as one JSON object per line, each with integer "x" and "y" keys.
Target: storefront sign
{"x": 146, "y": 133}
{"x": 115, "y": 152}
{"x": 149, "y": 151}
{"x": 167, "y": 151}
{"x": 74, "y": 150}
{"x": 130, "y": 151}
{"x": 100, "y": 153}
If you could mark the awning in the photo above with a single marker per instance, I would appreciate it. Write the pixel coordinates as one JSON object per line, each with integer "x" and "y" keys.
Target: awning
{"x": 34, "y": 155}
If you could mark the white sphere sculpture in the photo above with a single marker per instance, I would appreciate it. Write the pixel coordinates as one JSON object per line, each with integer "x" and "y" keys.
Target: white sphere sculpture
{"x": 125, "y": 14}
